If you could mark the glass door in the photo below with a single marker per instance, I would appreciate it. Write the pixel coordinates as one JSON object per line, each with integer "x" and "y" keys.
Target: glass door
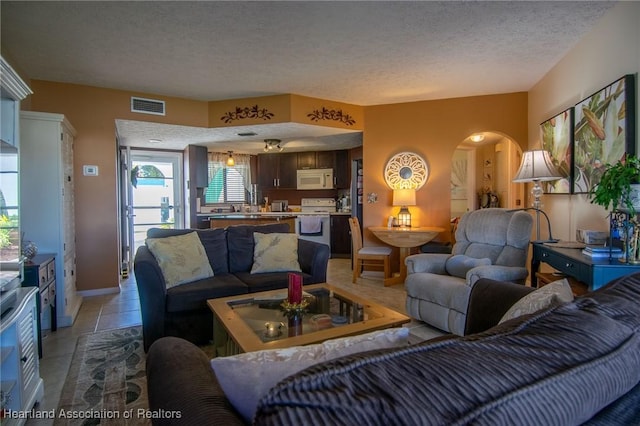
{"x": 153, "y": 196}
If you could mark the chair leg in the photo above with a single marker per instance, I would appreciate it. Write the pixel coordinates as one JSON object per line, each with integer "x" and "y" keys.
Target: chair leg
{"x": 387, "y": 267}
{"x": 356, "y": 269}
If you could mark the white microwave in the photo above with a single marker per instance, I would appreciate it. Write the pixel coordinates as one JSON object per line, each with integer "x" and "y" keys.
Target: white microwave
{"x": 315, "y": 179}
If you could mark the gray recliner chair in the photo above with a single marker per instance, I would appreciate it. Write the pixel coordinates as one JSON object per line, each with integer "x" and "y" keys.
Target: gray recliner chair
{"x": 490, "y": 243}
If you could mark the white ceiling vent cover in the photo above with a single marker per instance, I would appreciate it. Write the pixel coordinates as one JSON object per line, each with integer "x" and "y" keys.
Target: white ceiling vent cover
{"x": 147, "y": 106}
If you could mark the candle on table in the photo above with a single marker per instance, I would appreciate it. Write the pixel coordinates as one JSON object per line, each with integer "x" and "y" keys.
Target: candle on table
{"x": 295, "y": 288}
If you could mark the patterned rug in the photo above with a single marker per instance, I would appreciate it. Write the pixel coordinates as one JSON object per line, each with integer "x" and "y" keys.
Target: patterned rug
{"x": 106, "y": 383}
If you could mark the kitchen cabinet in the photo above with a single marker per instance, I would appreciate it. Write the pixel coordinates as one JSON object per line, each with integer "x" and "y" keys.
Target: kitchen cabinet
{"x": 277, "y": 170}
{"x": 340, "y": 236}
{"x": 47, "y": 182}
{"x": 325, "y": 160}
{"x": 40, "y": 272}
{"x": 316, "y": 160}
{"x": 342, "y": 171}
{"x": 198, "y": 166}
{"x": 20, "y": 383}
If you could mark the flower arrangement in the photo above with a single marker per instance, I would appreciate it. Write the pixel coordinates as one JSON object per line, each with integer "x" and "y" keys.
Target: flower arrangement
{"x": 291, "y": 310}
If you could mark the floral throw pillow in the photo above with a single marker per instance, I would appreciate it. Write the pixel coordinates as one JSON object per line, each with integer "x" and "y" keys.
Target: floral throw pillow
{"x": 275, "y": 252}
{"x": 551, "y": 294}
{"x": 181, "y": 258}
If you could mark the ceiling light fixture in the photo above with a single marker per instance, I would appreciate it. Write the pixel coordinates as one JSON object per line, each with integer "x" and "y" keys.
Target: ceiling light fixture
{"x": 272, "y": 145}
{"x": 230, "y": 161}
{"x": 155, "y": 141}
{"x": 478, "y": 137}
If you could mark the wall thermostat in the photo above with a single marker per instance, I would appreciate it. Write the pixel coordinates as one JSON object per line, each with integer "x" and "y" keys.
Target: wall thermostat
{"x": 90, "y": 170}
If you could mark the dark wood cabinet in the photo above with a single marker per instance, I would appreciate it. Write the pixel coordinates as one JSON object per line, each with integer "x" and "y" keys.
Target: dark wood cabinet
{"x": 342, "y": 170}
{"x": 198, "y": 166}
{"x": 340, "y": 236}
{"x": 277, "y": 170}
{"x": 287, "y": 168}
{"x": 307, "y": 160}
{"x": 325, "y": 160}
{"x": 41, "y": 272}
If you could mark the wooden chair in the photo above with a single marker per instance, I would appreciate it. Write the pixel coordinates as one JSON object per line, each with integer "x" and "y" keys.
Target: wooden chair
{"x": 367, "y": 255}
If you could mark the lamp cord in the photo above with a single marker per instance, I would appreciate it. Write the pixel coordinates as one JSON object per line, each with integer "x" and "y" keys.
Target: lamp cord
{"x": 537, "y": 210}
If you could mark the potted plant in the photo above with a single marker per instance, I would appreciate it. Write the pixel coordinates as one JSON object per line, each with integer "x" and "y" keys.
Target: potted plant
{"x": 619, "y": 186}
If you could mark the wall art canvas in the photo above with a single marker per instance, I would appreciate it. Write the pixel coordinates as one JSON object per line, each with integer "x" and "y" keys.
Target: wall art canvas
{"x": 556, "y": 135}
{"x": 605, "y": 131}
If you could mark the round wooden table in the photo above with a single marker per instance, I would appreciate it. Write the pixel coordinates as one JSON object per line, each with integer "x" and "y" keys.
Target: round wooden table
{"x": 405, "y": 239}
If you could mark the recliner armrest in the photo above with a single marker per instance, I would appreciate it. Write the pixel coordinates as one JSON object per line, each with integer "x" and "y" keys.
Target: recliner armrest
{"x": 489, "y": 301}
{"x": 515, "y": 274}
{"x": 427, "y": 262}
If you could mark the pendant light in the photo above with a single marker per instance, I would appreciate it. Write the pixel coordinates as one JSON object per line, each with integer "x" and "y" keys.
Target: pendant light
{"x": 230, "y": 161}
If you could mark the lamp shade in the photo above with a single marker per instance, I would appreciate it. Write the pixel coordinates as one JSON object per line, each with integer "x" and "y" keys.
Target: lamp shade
{"x": 536, "y": 165}
{"x": 404, "y": 197}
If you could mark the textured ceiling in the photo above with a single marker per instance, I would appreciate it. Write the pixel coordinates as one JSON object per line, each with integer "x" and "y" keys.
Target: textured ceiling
{"x": 364, "y": 53}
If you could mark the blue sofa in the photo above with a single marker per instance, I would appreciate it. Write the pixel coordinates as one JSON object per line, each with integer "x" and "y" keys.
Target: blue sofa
{"x": 574, "y": 363}
{"x": 182, "y": 310}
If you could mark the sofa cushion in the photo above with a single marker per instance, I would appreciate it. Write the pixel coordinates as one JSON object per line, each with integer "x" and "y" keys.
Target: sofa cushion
{"x": 194, "y": 295}
{"x": 551, "y": 294}
{"x": 561, "y": 365}
{"x": 458, "y": 265}
{"x": 245, "y": 378}
{"x": 181, "y": 258}
{"x": 240, "y": 243}
{"x": 275, "y": 252}
{"x": 213, "y": 240}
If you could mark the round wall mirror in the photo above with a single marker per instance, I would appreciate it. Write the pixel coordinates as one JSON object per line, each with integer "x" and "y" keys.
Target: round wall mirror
{"x": 406, "y": 170}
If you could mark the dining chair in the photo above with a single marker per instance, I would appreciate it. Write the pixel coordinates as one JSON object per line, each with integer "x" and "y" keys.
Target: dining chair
{"x": 367, "y": 256}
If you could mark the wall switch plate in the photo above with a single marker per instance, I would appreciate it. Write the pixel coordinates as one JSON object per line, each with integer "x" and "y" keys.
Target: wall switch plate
{"x": 90, "y": 170}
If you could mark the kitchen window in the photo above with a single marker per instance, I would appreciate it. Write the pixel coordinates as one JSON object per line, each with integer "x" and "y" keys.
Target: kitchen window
{"x": 228, "y": 184}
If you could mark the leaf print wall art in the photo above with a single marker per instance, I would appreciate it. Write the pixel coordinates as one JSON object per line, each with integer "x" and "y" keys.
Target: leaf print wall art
{"x": 556, "y": 135}
{"x": 605, "y": 130}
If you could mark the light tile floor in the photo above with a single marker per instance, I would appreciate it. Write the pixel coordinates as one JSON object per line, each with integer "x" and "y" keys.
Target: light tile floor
{"x": 120, "y": 310}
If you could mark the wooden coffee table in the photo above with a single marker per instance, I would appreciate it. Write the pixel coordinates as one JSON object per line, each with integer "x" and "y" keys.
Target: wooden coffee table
{"x": 240, "y": 322}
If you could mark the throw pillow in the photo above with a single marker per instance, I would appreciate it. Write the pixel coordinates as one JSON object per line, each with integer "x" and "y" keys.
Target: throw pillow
{"x": 247, "y": 377}
{"x": 551, "y": 294}
{"x": 275, "y": 252}
{"x": 459, "y": 264}
{"x": 181, "y": 258}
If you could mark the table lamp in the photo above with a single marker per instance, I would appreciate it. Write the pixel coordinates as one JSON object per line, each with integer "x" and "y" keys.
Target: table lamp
{"x": 536, "y": 167}
{"x": 404, "y": 198}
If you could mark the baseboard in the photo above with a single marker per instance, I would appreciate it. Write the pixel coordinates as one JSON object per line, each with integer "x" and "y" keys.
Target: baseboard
{"x": 99, "y": 291}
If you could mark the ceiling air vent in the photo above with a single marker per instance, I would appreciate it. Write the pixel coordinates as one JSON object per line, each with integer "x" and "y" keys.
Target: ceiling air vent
{"x": 147, "y": 106}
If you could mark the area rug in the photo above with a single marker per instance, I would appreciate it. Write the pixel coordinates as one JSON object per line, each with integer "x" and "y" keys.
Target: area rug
{"x": 106, "y": 383}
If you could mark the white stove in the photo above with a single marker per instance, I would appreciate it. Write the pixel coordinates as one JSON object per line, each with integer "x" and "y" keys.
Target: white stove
{"x": 318, "y": 205}
{"x": 314, "y": 222}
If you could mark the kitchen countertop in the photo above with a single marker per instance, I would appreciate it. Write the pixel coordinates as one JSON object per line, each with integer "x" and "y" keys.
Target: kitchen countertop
{"x": 242, "y": 216}
{"x": 239, "y": 215}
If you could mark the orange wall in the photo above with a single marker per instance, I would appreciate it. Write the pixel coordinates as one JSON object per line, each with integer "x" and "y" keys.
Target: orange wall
{"x": 432, "y": 129}
{"x": 93, "y": 111}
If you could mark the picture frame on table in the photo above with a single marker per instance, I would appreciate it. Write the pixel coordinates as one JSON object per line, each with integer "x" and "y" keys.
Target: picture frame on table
{"x": 556, "y": 135}
{"x": 605, "y": 130}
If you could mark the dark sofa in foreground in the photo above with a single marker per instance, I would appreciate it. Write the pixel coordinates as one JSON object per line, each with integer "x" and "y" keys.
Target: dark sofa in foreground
{"x": 576, "y": 363}
{"x": 182, "y": 310}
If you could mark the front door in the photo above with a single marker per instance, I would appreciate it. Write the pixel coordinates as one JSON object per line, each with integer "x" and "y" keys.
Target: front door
{"x": 153, "y": 196}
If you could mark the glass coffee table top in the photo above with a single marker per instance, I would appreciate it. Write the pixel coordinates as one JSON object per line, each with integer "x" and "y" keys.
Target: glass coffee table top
{"x": 257, "y": 321}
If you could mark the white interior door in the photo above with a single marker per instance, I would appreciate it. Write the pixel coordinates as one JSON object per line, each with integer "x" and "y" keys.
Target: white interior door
{"x": 154, "y": 194}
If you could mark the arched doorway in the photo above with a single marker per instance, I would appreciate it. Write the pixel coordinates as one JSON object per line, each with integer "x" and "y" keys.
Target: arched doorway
{"x": 482, "y": 167}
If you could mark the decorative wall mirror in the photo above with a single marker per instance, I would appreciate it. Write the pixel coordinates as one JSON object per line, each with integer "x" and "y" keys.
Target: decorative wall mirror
{"x": 406, "y": 170}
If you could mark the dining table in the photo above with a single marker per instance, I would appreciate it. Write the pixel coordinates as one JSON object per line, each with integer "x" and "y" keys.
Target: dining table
{"x": 405, "y": 238}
